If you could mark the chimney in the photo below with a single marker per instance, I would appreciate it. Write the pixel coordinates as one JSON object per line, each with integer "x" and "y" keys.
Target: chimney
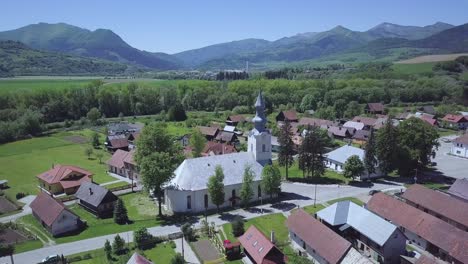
{"x": 90, "y": 191}
{"x": 272, "y": 236}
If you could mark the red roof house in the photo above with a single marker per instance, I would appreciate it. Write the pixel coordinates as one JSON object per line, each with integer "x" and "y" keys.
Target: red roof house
{"x": 259, "y": 248}
{"x": 53, "y": 215}
{"x": 455, "y": 121}
{"x": 63, "y": 178}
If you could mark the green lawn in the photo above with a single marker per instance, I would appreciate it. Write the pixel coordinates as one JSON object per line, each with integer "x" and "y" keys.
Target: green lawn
{"x": 23, "y": 160}
{"x": 116, "y": 184}
{"x": 27, "y": 246}
{"x": 27, "y": 85}
{"x": 330, "y": 177}
{"x": 141, "y": 211}
{"x": 352, "y": 199}
{"x": 415, "y": 68}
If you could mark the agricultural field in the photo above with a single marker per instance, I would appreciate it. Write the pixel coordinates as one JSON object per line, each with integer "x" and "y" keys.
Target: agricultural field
{"x": 23, "y": 160}
{"x": 23, "y": 84}
{"x": 413, "y": 68}
{"x": 432, "y": 58}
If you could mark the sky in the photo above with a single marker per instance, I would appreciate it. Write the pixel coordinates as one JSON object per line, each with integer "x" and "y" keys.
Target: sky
{"x": 175, "y": 25}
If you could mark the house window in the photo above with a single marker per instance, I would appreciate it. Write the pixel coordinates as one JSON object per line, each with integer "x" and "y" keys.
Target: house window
{"x": 206, "y": 201}
{"x": 259, "y": 191}
{"x": 189, "y": 202}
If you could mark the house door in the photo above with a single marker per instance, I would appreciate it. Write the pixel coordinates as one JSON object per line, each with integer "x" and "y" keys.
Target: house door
{"x": 233, "y": 198}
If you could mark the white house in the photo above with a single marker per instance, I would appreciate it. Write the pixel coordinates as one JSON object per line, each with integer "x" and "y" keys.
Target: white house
{"x": 337, "y": 158}
{"x": 187, "y": 192}
{"x": 460, "y": 146}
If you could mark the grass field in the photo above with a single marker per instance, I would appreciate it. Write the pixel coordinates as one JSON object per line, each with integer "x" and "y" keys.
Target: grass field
{"x": 23, "y": 160}
{"x": 9, "y": 85}
{"x": 414, "y": 68}
{"x": 432, "y": 58}
{"x": 330, "y": 177}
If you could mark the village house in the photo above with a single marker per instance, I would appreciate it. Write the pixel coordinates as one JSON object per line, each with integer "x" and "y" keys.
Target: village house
{"x": 54, "y": 216}
{"x": 138, "y": 259}
{"x": 428, "y": 109}
{"x": 320, "y": 243}
{"x": 184, "y": 140}
{"x": 372, "y": 235}
{"x": 459, "y": 189}
{"x": 368, "y": 122}
{"x": 374, "y": 108}
{"x": 215, "y": 148}
{"x": 354, "y": 125}
{"x": 460, "y": 146}
{"x": 115, "y": 142}
{"x": 337, "y": 158}
{"x": 289, "y": 115}
{"x": 441, "y": 205}
{"x": 131, "y": 166}
{"x": 259, "y": 249}
{"x": 315, "y": 122}
{"x": 361, "y": 137}
{"x": 210, "y": 133}
{"x": 123, "y": 128}
{"x": 455, "y": 121}
{"x": 63, "y": 179}
{"x": 122, "y": 164}
{"x": 227, "y": 137}
{"x": 234, "y": 120}
{"x": 421, "y": 229}
{"x": 340, "y": 132}
{"x": 96, "y": 199}
{"x": 187, "y": 192}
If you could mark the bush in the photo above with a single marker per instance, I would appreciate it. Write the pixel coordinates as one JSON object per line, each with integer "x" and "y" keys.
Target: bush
{"x": 87, "y": 256}
{"x": 188, "y": 232}
{"x": 238, "y": 227}
{"x": 118, "y": 246}
{"x": 172, "y": 244}
{"x": 74, "y": 259}
{"x": 143, "y": 239}
{"x": 20, "y": 195}
{"x": 177, "y": 259}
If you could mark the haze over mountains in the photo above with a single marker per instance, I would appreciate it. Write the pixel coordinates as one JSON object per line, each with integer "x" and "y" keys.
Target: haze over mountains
{"x": 384, "y": 41}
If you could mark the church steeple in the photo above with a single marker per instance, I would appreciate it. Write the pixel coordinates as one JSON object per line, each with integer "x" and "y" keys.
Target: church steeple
{"x": 260, "y": 119}
{"x": 259, "y": 140}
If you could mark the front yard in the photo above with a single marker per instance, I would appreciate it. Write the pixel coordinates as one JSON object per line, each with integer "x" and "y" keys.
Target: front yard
{"x": 330, "y": 176}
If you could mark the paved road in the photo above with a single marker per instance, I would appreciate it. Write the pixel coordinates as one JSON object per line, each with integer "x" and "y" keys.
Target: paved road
{"x": 297, "y": 194}
{"x": 448, "y": 165}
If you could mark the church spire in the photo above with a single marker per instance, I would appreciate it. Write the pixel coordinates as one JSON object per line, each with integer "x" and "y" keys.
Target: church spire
{"x": 260, "y": 119}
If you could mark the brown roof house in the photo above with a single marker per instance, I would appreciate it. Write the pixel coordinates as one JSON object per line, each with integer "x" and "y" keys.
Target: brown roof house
{"x": 441, "y": 205}
{"x": 54, "y": 216}
{"x": 234, "y": 120}
{"x": 63, "y": 179}
{"x": 320, "y": 243}
{"x": 227, "y": 137}
{"x": 454, "y": 121}
{"x": 374, "y": 108}
{"x": 96, "y": 199}
{"x": 368, "y": 121}
{"x": 259, "y": 248}
{"x": 116, "y": 142}
{"x": 116, "y": 163}
{"x": 459, "y": 189}
{"x": 322, "y": 123}
{"x": 209, "y": 132}
{"x": 421, "y": 229}
{"x": 215, "y": 148}
{"x": 289, "y": 115}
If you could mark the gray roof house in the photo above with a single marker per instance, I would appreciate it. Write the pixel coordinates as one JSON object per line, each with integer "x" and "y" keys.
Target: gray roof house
{"x": 96, "y": 199}
{"x": 374, "y": 236}
{"x": 337, "y": 158}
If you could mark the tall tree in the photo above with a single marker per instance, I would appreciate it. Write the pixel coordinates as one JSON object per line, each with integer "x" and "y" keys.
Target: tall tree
{"x": 157, "y": 156}
{"x": 286, "y": 151}
{"x": 353, "y": 167}
{"x": 197, "y": 142}
{"x": 370, "y": 156}
{"x": 216, "y": 187}
{"x": 386, "y": 147}
{"x": 93, "y": 115}
{"x": 246, "y": 192}
{"x": 95, "y": 140}
{"x": 311, "y": 152}
{"x": 118, "y": 246}
{"x": 271, "y": 180}
{"x": 120, "y": 213}
{"x": 108, "y": 250}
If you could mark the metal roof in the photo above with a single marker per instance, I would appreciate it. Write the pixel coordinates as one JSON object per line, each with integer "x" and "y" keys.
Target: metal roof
{"x": 365, "y": 222}
{"x": 355, "y": 125}
{"x": 92, "y": 193}
{"x": 193, "y": 174}
{"x": 342, "y": 154}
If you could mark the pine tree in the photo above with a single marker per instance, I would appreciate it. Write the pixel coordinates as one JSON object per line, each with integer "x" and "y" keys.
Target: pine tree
{"x": 216, "y": 187}
{"x": 118, "y": 246}
{"x": 120, "y": 213}
{"x": 286, "y": 151}
{"x": 108, "y": 250}
{"x": 370, "y": 156}
{"x": 246, "y": 192}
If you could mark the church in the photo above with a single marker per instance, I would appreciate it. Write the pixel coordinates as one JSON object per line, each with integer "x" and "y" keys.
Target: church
{"x": 187, "y": 192}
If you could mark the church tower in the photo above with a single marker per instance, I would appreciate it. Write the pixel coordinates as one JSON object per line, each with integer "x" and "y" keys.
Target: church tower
{"x": 259, "y": 141}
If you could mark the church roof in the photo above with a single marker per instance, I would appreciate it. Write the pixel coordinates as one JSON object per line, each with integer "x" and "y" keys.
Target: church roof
{"x": 193, "y": 174}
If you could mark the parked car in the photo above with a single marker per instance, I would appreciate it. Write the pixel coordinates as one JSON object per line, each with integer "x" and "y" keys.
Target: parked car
{"x": 52, "y": 259}
{"x": 446, "y": 140}
{"x": 372, "y": 192}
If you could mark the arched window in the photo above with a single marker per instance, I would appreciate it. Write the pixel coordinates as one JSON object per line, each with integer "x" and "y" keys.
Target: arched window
{"x": 206, "y": 201}
{"x": 259, "y": 191}
{"x": 263, "y": 148}
{"x": 189, "y": 202}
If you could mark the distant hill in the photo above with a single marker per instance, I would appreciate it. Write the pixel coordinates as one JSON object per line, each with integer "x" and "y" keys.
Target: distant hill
{"x": 389, "y": 30}
{"x": 18, "y": 59}
{"x": 453, "y": 40}
{"x": 101, "y": 43}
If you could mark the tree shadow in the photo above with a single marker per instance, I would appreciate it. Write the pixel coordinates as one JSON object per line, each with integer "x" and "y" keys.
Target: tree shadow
{"x": 284, "y": 206}
{"x": 255, "y": 210}
{"x": 177, "y": 219}
{"x": 317, "y": 180}
{"x": 229, "y": 217}
{"x": 293, "y": 196}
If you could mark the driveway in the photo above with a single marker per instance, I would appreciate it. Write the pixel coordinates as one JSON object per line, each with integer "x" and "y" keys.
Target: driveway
{"x": 448, "y": 165}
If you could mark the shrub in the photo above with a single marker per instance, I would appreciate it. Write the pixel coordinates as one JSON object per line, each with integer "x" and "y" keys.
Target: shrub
{"x": 238, "y": 227}
{"x": 188, "y": 232}
{"x": 20, "y": 195}
{"x": 177, "y": 259}
{"x": 118, "y": 246}
{"x": 143, "y": 239}
{"x": 172, "y": 244}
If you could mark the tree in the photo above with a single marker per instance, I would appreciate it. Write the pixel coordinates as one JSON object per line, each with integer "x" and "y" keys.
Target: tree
{"x": 216, "y": 187}
{"x": 271, "y": 180}
{"x": 176, "y": 113}
{"x": 157, "y": 156}
{"x": 99, "y": 155}
{"x": 95, "y": 140}
{"x": 286, "y": 150}
{"x": 118, "y": 246}
{"x": 142, "y": 238}
{"x": 246, "y": 192}
{"x": 370, "y": 156}
{"x": 93, "y": 115}
{"x": 177, "y": 259}
{"x": 108, "y": 250}
{"x": 353, "y": 109}
{"x": 386, "y": 147}
{"x": 311, "y": 152}
{"x": 188, "y": 231}
{"x": 353, "y": 167}
{"x": 197, "y": 142}
{"x": 88, "y": 152}
{"x": 120, "y": 213}
{"x": 238, "y": 226}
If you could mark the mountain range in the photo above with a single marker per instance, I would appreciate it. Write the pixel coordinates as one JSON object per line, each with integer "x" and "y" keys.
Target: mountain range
{"x": 384, "y": 41}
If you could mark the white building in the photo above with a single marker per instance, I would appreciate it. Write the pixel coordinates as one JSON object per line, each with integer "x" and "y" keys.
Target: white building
{"x": 337, "y": 158}
{"x": 188, "y": 193}
{"x": 460, "y": 146}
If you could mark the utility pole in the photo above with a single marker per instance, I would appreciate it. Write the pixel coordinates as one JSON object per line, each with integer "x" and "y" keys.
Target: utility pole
{"x": 183, "y": 252}
{"x": 315, "y": 194}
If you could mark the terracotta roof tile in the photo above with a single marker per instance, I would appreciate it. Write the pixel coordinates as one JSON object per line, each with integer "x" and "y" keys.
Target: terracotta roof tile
{"x": 454, "y": 118}
{"x": 257, "y": 245}
{"x": 218, "y": 148}
{"x": 60, "y": 172}
{"x": 117, "y": 159}
{"x": 368, "y": 121}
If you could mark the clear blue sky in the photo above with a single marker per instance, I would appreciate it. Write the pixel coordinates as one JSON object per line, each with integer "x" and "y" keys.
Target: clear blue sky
{"x": 176, "y": 25}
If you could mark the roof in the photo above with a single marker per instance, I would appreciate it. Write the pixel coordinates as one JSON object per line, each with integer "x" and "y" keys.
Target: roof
{"x": 328, "y": 244}
{"x": 368, "y": 121}
{"x": 342, "y": 154}
{"x": 118, "y": 141}
{"x": 359, "y": 218}
{"x": 236, "y": 118}
{"x": 355, "y": 125}
{"x": 355, "y": 257}
{"x": 117, "y": 159}
{"x": 129, "y": 158}
{"x": 441, "y": 203}
{"x": 138, "y": 259}
{"x": 462, "y": 139}
{"x": 431, "y": 228}
{"x": 315, "y": 122}
{"x": 208, "y": 131}
{"x": 59, "y": 172}
{"x": 375, "y": 107}
{"x": 455, "y": 118}
{"x": 47, "y": 208}
{"x": 425, "y": 259}
{"x": 257, "y": 245}
{"x": 459, "y": 188}
{"x": 92, "y": 193}
{"x": 338, "y": 131}
{"x": 431, "y": 121}
{"x": 217, "y": 148}
{"x": 226, "y": 136}
{"x": 290, "y": 115}
{"x": 361, "y": 135}
{"x": 229, "y": 128}
{"x": 193, "y": 174}
{"x": 124, "y": 127}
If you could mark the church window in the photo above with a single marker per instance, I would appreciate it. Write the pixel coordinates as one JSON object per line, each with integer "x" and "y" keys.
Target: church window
{"x": 263, "y": 148}
{"x": 259, "y": 191}
{"x": 206, "y": 200}
{"x": 189, "y": 202}
{"x": 251, "y": 147}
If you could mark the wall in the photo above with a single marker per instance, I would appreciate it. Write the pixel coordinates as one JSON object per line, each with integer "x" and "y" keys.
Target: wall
{"x": 65, "y": 222}
{"x": 297, "y": 243}
{"x": 255, "y": 145}
{"x": 460, "y": 150}
{"x": 394, "y": 247}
